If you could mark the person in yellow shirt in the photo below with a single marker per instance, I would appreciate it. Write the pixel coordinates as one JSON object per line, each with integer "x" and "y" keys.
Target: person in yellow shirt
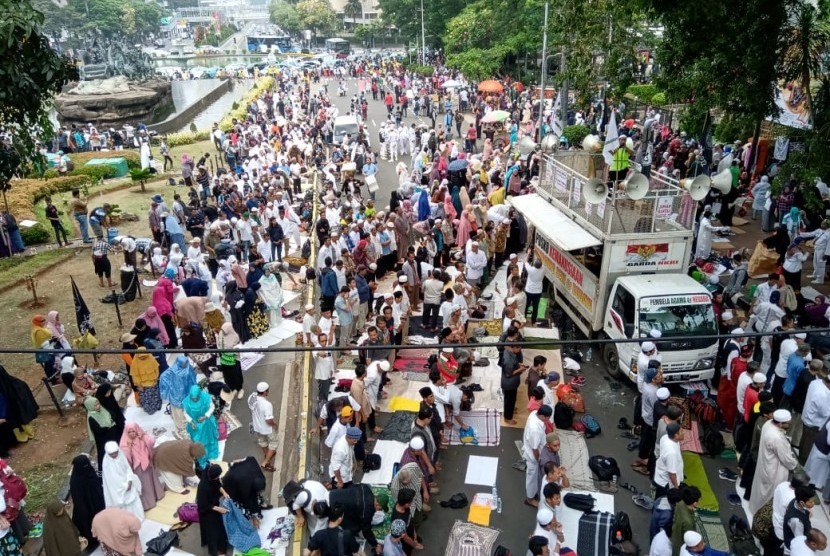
{"x": 619, "y": 165}
{"x": 496, "y": 197}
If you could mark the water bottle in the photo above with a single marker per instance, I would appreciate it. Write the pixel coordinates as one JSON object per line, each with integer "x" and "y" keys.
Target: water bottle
{"x": 589, "y": 354}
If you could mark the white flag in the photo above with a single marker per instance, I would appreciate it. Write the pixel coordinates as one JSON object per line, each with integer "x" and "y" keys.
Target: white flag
{"x": 612, "y": 139}
{"x": 557, "y": 120}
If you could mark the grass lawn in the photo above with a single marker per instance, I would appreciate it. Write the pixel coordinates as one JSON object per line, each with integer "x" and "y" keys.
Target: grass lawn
{"x": 15, "y": 268}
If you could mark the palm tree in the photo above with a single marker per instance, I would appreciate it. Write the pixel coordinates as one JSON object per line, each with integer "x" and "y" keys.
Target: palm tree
{"x": 806, "y": 39}
{"x": 352, "y": 9}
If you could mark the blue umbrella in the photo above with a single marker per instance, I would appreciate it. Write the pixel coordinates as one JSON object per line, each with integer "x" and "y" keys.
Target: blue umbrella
{"x": 458, "y": 165}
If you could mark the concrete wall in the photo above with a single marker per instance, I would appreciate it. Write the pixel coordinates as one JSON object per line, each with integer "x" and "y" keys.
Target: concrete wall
{"x": 181, "y": 119}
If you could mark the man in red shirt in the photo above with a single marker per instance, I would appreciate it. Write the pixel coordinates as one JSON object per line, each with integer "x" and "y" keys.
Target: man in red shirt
{"x": 470, "y": 143}
{"x": 389, "y": 101}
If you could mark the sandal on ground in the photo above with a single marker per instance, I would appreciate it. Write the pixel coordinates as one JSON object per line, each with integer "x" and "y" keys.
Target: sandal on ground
{"x": 633, "y": 445}
{"x": 643, "y": 501}
{"x": 268, "y": 467}
{"x": 629, "y": 487}
{"x": 641, "y": 469}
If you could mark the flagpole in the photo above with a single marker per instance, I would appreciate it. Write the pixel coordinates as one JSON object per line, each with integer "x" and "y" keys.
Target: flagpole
{"x": 544, "y": 73}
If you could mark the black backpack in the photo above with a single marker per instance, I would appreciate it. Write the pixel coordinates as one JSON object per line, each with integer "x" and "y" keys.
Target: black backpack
{"x": 372, "y": 462}
{"x": 563, "y": 416}
{"x": 580, "y": 502}
{"x": 712, "y": 440}
{"x": 622, "y": 527}
{"x": 502, "y": 551}
{"x": 291, "y": 490}
{"x": 605, "y": 468}
{"x": 306, "y": 250}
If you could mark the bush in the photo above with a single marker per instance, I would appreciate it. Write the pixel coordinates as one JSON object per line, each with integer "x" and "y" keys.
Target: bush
{"x": 186, "y": 138}
{"x": 35, "y": 235}
{"x": 425, "y": 71}
{"x": 23, "y": 195}
{"x": 575, "y": 133}
{"x": 731, "y": 128}
{"x": 659, "y": 99}
{"x": 643, "y": 92}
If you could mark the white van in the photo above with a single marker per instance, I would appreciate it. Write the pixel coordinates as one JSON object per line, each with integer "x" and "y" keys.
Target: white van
{"x": 345, "y": 125}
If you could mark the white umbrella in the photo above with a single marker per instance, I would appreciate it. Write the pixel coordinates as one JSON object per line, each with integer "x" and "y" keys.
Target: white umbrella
{"x": 450, "y": 84}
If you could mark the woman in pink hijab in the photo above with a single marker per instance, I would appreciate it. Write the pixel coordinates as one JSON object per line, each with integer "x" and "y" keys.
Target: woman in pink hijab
{"x": 163, "y": 295}
{"x": 55, "y": 326}
{"x": 117, "y": 531}
{"x": 465, "y": 228}
{"x": 153, "y": 319}
{"x": 408, "y": 213}
{"x": 449, "y": 209}
{"x": 138, "y": 447}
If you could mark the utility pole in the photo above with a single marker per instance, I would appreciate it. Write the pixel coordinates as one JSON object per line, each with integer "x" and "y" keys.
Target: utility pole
{"x": 544, "y": 72}
{"x": 423, "y": 37}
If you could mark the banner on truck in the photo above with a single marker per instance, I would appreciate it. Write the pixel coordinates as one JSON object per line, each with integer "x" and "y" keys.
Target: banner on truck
{"x": 664, "y": 256}
{"x": 566, "y": 273}
{"x": 669, "y": 300}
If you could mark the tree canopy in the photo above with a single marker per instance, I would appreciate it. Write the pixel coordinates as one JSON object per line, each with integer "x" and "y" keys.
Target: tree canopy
{"x": 114, "y": 18}
{"x": 600, "y": 39}
{"x": 285, "y": 15}
{"x": 316, "y": 15}
{"x": 31, "y": 72}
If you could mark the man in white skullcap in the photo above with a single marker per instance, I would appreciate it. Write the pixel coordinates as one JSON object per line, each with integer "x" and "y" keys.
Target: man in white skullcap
{"x": 775, "y": 459}
{"x": 308, "y": 322}
{"x": 264, "y": 424}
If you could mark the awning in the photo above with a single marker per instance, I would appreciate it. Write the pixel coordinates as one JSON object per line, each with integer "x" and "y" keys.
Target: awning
{"x": 552, "y": 223}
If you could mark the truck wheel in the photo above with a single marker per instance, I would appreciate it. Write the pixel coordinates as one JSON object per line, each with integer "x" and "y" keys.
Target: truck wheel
{"x": 611, "y": 359}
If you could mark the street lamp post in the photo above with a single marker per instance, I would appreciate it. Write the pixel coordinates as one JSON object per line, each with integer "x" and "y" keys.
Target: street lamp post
{"x": 544, "y": 71}
{"x": 423, "y": 37}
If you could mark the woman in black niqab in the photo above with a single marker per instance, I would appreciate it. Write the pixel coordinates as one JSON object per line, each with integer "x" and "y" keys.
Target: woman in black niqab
{"x": 106, "y": 397}
{"x": 208, "y": 496}
{"x": 87, "y": 496}
{"x": 19, "y": 408}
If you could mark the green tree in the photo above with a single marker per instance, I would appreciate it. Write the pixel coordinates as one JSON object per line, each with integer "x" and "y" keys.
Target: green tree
{"x": 285, "y": 15}
{"x": 405, "y": 15}
{"x": 600, "y": 39}
{"x": 353, "y": 8}
{"x": 31, "y": 72}
{"x": 317, "y": 15}
{"x": 806, "y": 41}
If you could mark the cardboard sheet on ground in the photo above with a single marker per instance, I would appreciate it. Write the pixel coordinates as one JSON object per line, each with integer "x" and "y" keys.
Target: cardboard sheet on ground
{"x": 481, "y": 470}
{"x": 569, "y": 518}
{"x": 480, "y": 515}
{"x": 390, "y": 452}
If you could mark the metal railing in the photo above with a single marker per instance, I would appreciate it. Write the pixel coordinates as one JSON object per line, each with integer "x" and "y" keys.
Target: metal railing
{"x": 666, "y": 208}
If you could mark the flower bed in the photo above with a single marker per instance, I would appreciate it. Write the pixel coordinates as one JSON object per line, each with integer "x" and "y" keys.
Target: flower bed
{"x": 262, "y": 85}
{"x": 24, "y": 194}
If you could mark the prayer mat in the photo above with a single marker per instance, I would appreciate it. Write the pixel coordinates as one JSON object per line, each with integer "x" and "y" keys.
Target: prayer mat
{"x": 695, "y": 475}
{"x": 467, "y": 539}
{"x": 416, "y": 376}
{"x": 399, "y": 403}
{"x": 691, "y": 440}
{"x": 399, "y": 427}
{"x": 390, "y": 452}
{"x": 416, "y": 353}
{"x": 573, "y": 452}
{"x": 249, "y": 359}
{"x": 711, "y": 527}
{"x": 383, "y": 528}
{"x": 485, "y": 422}
{"x": 411, "y": 365}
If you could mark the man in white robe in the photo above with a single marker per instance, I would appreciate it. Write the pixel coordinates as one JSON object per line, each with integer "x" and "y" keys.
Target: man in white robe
{"x": 775, "y": 459}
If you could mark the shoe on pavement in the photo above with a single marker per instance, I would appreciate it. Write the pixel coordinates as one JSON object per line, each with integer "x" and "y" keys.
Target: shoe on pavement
{"x": 240, "y": 394}
{"x": 727, "y": 474}
{"x": 426, "y": 508}
{"x": 434, "y": 490}
{"x": 643, "y": 501}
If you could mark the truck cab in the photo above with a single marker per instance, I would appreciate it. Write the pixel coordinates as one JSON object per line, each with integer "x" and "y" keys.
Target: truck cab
{"x": 677, "y": 307}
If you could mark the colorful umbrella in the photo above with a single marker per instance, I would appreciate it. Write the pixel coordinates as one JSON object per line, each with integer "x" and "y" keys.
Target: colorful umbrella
{"x": 495, "y": 116}
{"x": 490, "y": 86}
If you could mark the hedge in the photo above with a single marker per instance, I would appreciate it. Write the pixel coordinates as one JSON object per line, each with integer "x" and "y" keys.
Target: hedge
{"x": 23, "y": 195}
{"x": 133, "y": 157}
{"x": 262, "y": 85}
{"x": 186, "y": 137}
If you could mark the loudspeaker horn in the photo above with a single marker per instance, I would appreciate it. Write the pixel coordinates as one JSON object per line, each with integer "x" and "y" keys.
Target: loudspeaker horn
{"x": 526, "y": 145}
{"x": 723, "y": 181}
{"x": 725, "y": 163}
{"x": 595, "y": 191}
{"x": 698, "y": 188}
{"x": 636, "y": 187}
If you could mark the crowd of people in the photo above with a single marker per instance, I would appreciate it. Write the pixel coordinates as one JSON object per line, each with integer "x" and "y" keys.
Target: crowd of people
{"x": 443, "y": 237}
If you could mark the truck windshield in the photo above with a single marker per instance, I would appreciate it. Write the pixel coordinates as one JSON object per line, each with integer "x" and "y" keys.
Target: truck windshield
{"x": 676, "y": 320}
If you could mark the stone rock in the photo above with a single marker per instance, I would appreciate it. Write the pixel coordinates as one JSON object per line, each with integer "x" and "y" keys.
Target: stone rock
{"x": 117, "y": 84}
{"x": 112, "y": 102}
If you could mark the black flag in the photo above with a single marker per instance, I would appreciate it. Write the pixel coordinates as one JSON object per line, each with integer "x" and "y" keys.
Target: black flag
{"x": 81, "y": 311}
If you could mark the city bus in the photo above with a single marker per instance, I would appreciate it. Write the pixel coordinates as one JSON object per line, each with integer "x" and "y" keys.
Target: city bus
{"x": 340, "y": 47}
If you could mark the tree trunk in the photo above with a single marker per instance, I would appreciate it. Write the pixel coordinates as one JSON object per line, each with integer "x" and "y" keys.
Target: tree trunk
{"x": 753, "y": 155}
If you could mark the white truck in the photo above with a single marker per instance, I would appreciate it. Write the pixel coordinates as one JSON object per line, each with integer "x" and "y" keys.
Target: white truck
{"x": 617, "y": 266}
